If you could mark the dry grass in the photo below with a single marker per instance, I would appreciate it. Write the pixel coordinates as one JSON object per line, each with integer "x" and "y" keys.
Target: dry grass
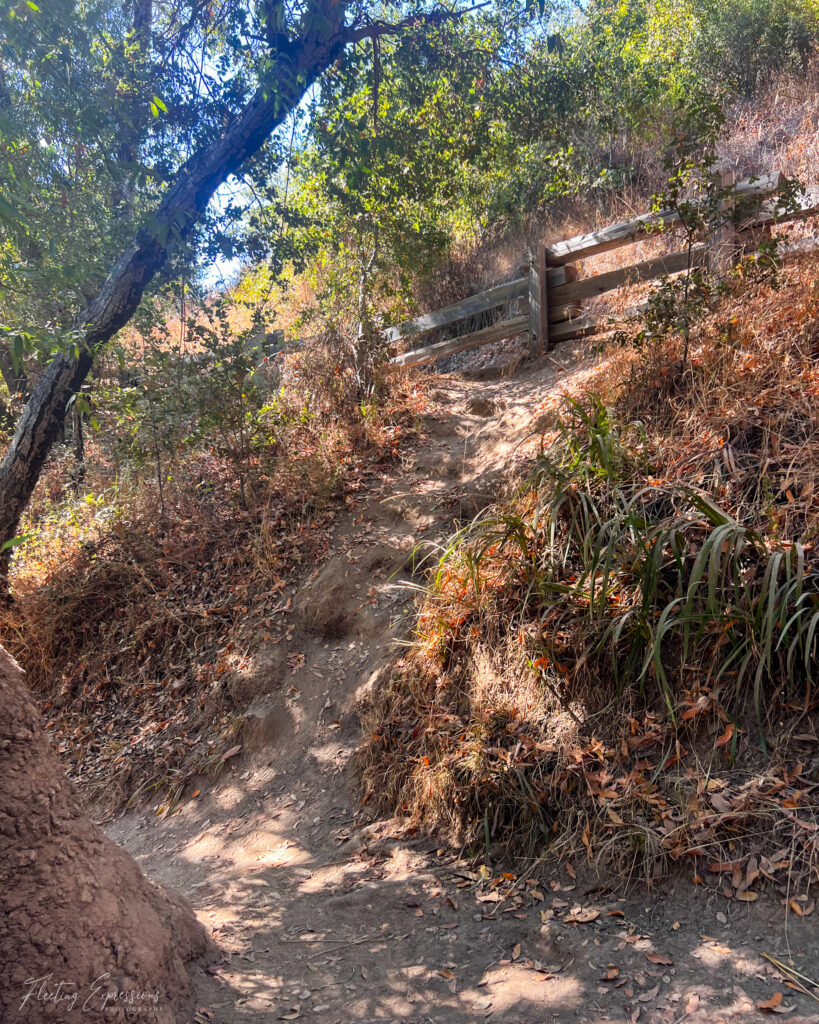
{"x": 595, "y": 662}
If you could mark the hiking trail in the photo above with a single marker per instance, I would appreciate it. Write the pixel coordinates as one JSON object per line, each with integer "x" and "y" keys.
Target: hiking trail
{"x": 319, "y": 913}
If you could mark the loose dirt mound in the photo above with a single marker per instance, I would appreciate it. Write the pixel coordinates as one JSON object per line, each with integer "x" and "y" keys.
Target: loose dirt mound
{"x": 83, "y": 935}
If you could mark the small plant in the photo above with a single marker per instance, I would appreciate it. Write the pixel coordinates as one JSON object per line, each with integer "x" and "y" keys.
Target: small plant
{"x": 707, "y": 207}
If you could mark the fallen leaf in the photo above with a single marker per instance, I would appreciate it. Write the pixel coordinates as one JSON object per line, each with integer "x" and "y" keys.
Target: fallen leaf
{"x": 646, "y": 997}
{"x": 658, "y": 958}
{"x": 446, "y": 973}
{"x": 292, "y": 1015}
{"x": 692, "y": 1003}
{"x": 771, "y": 1004}
{"x": 615, "y": 913}
{"x": 582, "y": 916}
{"x": 747, "y": 897}
{"x": 516, "y": 951}
{"x": 570, "y": 871}
{"x": 232, "y": 753}
{"x": 727, "y": 735}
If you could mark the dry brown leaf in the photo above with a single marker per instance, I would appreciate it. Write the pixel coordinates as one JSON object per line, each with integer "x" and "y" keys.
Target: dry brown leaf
{"x": 658, "y": 958}
{"x": 727, "y": 735}
{"x": 771, "y": 1004}
{"x": 747, "y": 897}
{"x": 446, "y": 973}
{"x": 584, "y": 916}
{"x": 722, "y": 866}
{"x": 516, "y": 951}
{"x": 646, "y": 997}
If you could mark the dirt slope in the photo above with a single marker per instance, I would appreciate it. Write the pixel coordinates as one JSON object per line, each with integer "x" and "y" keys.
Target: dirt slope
{"x": 323, "y": 915}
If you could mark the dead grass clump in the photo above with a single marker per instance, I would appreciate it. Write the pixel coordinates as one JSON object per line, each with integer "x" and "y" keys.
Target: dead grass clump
{"x": 623, "y": 660}
{"x": 132, "y": 639}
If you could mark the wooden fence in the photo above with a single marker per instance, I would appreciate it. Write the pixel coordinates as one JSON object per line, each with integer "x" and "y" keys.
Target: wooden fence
{"x": 545, "y": 302}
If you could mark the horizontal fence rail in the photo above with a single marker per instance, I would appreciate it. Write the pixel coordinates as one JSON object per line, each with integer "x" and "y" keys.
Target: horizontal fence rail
{"x": 497, "y": 296}
{"x": 554, "y": 295}
{"x": 497, "y": 332}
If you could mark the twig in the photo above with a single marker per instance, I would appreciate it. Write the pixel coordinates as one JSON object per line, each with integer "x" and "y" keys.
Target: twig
{"x": 791, "y": 974}
{"x": 343, "y": 945}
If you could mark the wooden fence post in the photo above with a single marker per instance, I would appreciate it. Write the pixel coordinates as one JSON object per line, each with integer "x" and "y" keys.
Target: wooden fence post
{"x": 539, "y": 302}
{"x": 721, "y": 241}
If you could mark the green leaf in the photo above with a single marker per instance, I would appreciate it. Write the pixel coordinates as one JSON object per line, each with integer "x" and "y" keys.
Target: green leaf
{"x": 158, "y": 102}
{"x": 9, "y": 213}
{"x": 15, "y": 542}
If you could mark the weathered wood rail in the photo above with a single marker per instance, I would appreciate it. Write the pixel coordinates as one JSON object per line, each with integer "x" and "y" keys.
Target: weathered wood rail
{"x": 546, "y": 301}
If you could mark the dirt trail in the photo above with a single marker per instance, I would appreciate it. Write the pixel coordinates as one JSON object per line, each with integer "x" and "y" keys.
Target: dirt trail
{"x": 322, "y": 915}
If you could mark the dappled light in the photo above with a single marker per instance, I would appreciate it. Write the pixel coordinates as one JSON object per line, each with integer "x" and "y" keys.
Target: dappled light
{"x": 409, "y": 501}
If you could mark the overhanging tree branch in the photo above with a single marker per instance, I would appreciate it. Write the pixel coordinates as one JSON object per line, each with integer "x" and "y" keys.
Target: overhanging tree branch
{"x": 298, "y": 60}
{"x": 373, "y": 29}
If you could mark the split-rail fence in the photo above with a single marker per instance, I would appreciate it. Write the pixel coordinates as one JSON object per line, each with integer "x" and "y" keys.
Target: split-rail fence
{"x": 546, "y": 300}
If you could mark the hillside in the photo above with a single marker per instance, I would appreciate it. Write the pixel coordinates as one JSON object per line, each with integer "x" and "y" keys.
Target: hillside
{"x": 320, "y": 909}
{"x": 409, "y": 498}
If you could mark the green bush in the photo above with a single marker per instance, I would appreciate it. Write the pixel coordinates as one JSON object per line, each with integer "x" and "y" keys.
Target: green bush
{"x": 744, "y": 41}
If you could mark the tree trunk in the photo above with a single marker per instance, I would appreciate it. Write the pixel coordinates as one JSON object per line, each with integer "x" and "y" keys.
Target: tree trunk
{"x": 79, "y": 923}
{"x": 298, "y": 65}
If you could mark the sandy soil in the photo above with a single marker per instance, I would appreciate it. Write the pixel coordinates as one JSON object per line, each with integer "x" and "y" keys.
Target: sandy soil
{"x": 322, "y": 914}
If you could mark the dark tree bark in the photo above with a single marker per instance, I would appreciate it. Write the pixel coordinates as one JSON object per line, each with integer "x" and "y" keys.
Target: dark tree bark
{"x": 298, "y": 64}
{"x": 78, "y": 919}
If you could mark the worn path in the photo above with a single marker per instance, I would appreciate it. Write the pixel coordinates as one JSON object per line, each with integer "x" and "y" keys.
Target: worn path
{"x": 320, "y": 914}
